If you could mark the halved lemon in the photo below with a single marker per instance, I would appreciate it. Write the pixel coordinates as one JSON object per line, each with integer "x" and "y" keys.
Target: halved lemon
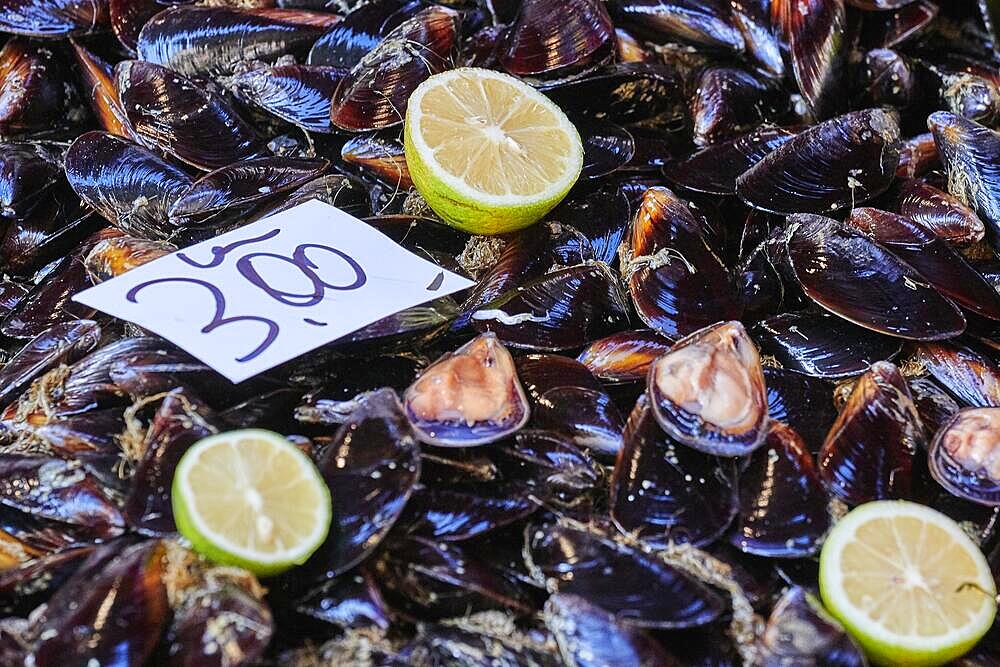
{"x": 251, "y": 498}
{"x": 907, "y": 583}
{"x": 489, "y": 153}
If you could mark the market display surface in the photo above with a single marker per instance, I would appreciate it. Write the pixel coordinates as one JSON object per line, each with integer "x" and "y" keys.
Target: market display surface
{"x": 499, "y": 333}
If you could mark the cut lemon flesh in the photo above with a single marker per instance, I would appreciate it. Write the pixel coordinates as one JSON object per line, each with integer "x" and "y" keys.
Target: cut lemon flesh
{"x": 907, "y": 582}
{"x": 251, "y": 498}
{"x": 488, "y": 152}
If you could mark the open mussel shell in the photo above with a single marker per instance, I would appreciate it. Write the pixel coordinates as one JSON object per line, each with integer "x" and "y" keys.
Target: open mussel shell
{"x": 469, "y": 397}
{"x": 800, "y": 632}
{"x": 212, "y": 41}
{"x": 664, "y": 492}
{"x": 822, "y": 345}
{"x": 33, "y": 88}
{"x": 297, "y": 94}
{"x": 838, "y": 163}
{"x": 708, "y": 391}
{"x": 854, "y": 278}
{"x": 132, "y": 187}
{"x": 639, "y": 588}
{"x": 968, "y": 374}
{"x": 171, "y": 113}
{"x": 969, "y": 152}
{"x": 714, "y": 169}
{"x": 818, "y": 38}
{"x": 372, "y": 466}
{"x": 783, "y": 503}
{"x": 624, "y": 93}
{"x": 677, "y": 282}
{"x": 53, "y": 19}
{"x": 625, "y": 356}
{"x": 242, "y": 184}
{"x": 379, "y": 156}
{"x": 727, "y": 102}
{"x": 113, "y": 257}
{"x": 589, "y": 636}
{"x": 374, "y": 94}
{"x": 941, "y": 213}
{"x": 347, "y": 42}
{"x": 936, "y": 261}
{"x": 964, "y": 456}
{"x": 562, "y": 310}
{"x": 696, "y": 21}
{"x": 868, "y": 453}
{"x": 554, "y": 38}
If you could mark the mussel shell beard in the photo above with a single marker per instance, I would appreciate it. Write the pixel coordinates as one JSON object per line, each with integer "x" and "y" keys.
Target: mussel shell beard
{"x": 469, "y": 397}
{"x": 964, "y": 457}
{"x": 708, "y": 391}
{"x": 829, "y": 166}
{"x": 869, "y": 452}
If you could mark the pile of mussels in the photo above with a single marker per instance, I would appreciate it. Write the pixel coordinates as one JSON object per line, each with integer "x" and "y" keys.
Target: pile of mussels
{"x": 799, "y": 199}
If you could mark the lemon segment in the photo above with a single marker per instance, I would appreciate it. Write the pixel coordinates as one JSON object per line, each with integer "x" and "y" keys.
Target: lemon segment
{"x": 489, "y": 153}
{"x": 250, "y": 498}
{"x": 907, "y": 583}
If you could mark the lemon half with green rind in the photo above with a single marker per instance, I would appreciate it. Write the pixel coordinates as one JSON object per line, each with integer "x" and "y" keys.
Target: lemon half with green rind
{"x": 488, "y": 152}
{"x": 907, "y": 583}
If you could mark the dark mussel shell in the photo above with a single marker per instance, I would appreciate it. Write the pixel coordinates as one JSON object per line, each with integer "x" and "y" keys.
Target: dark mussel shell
{"x": 561, "y": 310}
{"x": 213, "y": 41}
{"x": 967, "y": 374}
{"x": 122, "y": 607}
{"x": 838, "y": 163}
{"x": 558, "y": 473}
{"x": 27, "y": 172}
{"x": 970, "y": 152}
{"x": 472, "y": 644}
{"x": 678, "y": 284}
{"x": 373, "y": 95}
{"x": 463, "y": 511}
{"x": 940, "y": 212}
{"x": 868, "y": 454}
{"x": 625, "y": 356}
{"x": 588, "y": 417}
{"x": 540, "y": 373}
{"x": 241, "y": 184}
{"x": 818, "y": 39}
{"x": 606, "y": 147}
{"x": 179, "y": 422}
{"x": 664, "y": 492}
{"x": 708, "y": 391}
{"x": 129, "y": 16}
{"x": 360, "y": 31}
{"x": 52, "y": 229}
{"x": 439, "y": 580}
{"x": 350, "y": 601}
{"x": 935, "y": 260}
{"x": 33, "y": 88}
{"x": 589, "y": 636}
{"x": 856, "y": 279}
{"x": 97, "y": 77}
{"x": 24, "y": 587}
{"x": 752, "y": 17}
{"x": 602, "y": 216}
{"x": 714, "y": 170}
{"x": 887, "y": 79}
{"x": 628, "y": 49}
{"x": 58, "y": 490}
{"x": 639, "y": 588}
{"x": 917, "y": 155}
{"x": 378, "y": 156}
{"x": 53, "y": 18}
{"x": 624, "y": 93}
{"x": 933, "y": 403}
{"x": 132, "y": 187}
{"x": 113, "y": 257}
{"x": 469, "y": 397}
{"x": 891, "y": 28}
{"x": 297, "y": 94}
{"x": 61, "y": 344}
{"x": 800, "y": 632}
{"x": 727, "y": 102}
{"x": 705, "y": 23}
{"x": 371, "y": 466}
{"x": 170, "y": 113}
{"x": 783, "y": 504}
{"x": 823, "y": 345}
{"x": 553, "y": 38}
{"x": 804, "y": 403}
{"x": 964, "y": 457}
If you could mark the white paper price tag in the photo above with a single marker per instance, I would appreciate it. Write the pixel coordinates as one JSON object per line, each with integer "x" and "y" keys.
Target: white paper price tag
{"x": 255, "y": 297}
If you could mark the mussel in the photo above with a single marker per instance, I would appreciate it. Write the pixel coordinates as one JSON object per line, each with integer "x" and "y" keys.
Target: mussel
{"x": 963, "y": 455}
